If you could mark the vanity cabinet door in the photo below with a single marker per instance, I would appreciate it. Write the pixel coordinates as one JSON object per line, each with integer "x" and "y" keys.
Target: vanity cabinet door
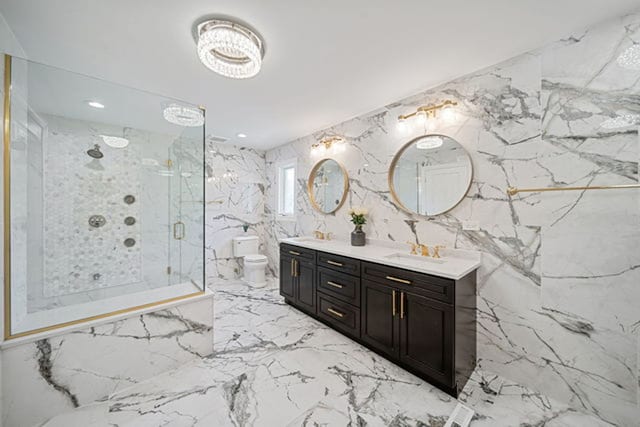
{"x": 287, "y": 281}
{"x": 426, "y": 331}
{"x": 306, "y": 285}
{"x": 379, "y": 322}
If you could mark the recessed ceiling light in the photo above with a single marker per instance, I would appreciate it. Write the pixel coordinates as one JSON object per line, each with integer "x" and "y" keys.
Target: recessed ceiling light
{"x": 621, "y": 121}
{"x": 229, "y": 49}
{"x": 183, "y": 115}
{"x": 95, "y": 104}
{"x": 241, "y": 135}
{"x": 115, "y": 141}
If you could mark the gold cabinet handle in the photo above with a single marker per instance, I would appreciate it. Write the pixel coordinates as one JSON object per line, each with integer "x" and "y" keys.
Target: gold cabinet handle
{"x": 335, "y": 312}
{"x": 294, "y": 253}
{"x": 339, "y": 264}
{"x": 295, "y": 268}
{"x": 334, "y": 284}
{"x": 402, "y": 305}
{"x": 291, "y": 269}
{"x": 393, "y": 303}
{"x": 396, "y": 279}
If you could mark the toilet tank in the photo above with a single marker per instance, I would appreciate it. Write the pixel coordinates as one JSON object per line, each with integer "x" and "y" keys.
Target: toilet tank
{"x": 245, "y": 245}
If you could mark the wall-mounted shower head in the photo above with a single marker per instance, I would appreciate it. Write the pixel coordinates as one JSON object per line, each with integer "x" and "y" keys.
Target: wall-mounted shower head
{"x": 95, "y": 152}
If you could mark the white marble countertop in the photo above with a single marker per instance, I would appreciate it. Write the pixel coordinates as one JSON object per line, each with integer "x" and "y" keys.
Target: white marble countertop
{"x": 453, "y": 264}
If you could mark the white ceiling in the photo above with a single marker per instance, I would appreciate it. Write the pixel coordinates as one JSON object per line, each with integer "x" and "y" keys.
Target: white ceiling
{"x": 325, "y": 61}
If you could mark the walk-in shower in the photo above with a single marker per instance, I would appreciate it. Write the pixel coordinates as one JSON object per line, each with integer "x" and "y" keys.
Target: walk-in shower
{"x": 103, "y": 198}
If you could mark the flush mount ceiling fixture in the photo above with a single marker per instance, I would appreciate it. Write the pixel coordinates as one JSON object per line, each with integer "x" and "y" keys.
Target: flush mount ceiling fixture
{"x": 183, "y": 115}
{"x": 429, "y": 142}
{"x": 229, "y": 49}
{"x": 630, "y": 58}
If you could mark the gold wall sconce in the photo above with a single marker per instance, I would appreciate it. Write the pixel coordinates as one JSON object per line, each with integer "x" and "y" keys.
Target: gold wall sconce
{"x": 427, "y": 113}
{"x": 330, "y": 145}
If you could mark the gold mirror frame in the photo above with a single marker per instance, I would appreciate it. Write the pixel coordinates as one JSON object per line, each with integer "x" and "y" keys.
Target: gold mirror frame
{"x": 311, "y": 178}
{"x": 392, "y": 167}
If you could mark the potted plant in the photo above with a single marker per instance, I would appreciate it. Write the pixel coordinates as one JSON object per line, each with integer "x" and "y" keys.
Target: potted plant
{"x": 358, "y": 218}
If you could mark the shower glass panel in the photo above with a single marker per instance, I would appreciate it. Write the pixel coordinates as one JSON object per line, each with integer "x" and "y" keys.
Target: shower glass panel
{"x": 106, "y": 198}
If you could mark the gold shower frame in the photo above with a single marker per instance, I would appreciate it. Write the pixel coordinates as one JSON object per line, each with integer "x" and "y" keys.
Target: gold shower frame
{"x": 7, "y": 232}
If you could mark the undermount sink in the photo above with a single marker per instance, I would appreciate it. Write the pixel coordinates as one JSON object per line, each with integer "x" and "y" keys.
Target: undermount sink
{"x": 415, "y": 259}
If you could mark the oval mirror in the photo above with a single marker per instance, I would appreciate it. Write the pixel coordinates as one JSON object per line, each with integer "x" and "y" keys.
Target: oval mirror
{"x": 430, "y": 175}
{"x": 328, "y": 185}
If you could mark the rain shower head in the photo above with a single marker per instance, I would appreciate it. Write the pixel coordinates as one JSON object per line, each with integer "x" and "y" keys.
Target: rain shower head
{"x": 95, "y": 152}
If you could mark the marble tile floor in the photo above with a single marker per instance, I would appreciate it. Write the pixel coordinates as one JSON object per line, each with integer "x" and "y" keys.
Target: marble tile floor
{"x": 274, "y": 366}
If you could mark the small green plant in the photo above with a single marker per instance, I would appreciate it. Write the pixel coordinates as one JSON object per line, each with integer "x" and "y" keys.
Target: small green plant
{"x": 358, "y": 216}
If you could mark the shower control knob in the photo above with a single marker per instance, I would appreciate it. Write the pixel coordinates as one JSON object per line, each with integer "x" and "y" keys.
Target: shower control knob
{"x": 97, "y": 221}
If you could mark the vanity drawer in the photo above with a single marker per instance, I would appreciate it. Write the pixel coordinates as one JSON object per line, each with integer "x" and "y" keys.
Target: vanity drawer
{"x": 430, "y": 286}
{"x": 339, "y": 263}
{"x": 339, "y": 285}
{"x": 297, "y": 251}
{"x": 340, "y": 315}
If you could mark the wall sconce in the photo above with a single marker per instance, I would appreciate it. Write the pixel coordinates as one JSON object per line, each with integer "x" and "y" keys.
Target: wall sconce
{"x": 333, "y": 144}
{"x": 426, "y": 113}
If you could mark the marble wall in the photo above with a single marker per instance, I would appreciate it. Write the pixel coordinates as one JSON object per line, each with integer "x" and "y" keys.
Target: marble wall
{"x": 235, "y": 194}
{"x": 558, "y": 288}
{"x": 65, "y": 371}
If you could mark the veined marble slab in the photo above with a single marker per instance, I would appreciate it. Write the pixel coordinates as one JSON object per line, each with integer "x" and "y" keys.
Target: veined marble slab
{"x": 54, "y": 374}
{"x": 453, "y": 264}
{"x": 274, "y": 366}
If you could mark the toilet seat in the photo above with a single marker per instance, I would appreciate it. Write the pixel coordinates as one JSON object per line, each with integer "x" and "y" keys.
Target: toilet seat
{"x": 256, "y": 258}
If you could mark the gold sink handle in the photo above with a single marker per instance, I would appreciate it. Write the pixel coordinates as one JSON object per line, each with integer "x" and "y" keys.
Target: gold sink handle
{"x": 436, "y": 251}
{"x": 413, "y": 248}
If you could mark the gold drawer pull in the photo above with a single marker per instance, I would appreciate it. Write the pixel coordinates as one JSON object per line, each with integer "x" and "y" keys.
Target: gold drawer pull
{"x": 396, "y": 279}
{"x": 402, "y": 305}
{"x": 339, "y": 264}
{"x": 335, "y": 313}
{"x": 334, "y": 284}
{"x": 294, "y": 253}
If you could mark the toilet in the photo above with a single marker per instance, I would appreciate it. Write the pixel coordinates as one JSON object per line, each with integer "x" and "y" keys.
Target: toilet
{"x": 247, "y": 247}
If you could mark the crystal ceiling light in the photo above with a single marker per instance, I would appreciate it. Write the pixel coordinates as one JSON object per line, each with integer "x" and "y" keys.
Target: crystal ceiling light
{"x": 630, "y": 58}
{"x": 183, "y": 115}
{"x": 229, "y": 49}
{"x": 621, "y": 121}
{"x": 429, "y": 143}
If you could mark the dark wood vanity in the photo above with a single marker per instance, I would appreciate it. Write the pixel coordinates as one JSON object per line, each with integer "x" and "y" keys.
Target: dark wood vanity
{"x": 423, "y": 323}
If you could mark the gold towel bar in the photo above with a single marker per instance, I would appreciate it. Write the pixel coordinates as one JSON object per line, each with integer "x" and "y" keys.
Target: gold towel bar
{"x": 513, "y": 190}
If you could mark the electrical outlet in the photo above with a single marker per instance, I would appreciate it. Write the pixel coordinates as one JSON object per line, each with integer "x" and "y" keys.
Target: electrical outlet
{"x": 470, "y": 226}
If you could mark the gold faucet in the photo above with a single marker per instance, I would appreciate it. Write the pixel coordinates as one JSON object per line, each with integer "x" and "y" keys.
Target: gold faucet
{"x": 328, "y": 236}
{"x": 436, "y": 250}
{"x": 413, "y": 248}
{"x": 424, "y": 249}
{"x": 319, "y": 234}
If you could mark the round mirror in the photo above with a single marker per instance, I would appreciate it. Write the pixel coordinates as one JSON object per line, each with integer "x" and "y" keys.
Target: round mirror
{"x": 328, "y": 184}
{"x": 430, "y": 175}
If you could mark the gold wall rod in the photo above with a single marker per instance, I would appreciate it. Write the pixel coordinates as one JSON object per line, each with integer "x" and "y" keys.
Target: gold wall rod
{"x": 512, "y": 191}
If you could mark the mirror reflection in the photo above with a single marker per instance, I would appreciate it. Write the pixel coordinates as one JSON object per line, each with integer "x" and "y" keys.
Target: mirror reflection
{"x": 328, "y": 185}
{"x": 430, "y": 175}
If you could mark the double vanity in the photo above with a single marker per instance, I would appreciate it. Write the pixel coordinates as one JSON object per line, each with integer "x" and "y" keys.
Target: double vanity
{"x": 418, "y": 312}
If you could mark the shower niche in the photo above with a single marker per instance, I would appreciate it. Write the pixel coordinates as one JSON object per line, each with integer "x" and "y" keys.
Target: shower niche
{"x": 94, "y": 196}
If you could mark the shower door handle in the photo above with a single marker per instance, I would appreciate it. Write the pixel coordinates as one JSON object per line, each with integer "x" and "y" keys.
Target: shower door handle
{"x": 178, "y": 230}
